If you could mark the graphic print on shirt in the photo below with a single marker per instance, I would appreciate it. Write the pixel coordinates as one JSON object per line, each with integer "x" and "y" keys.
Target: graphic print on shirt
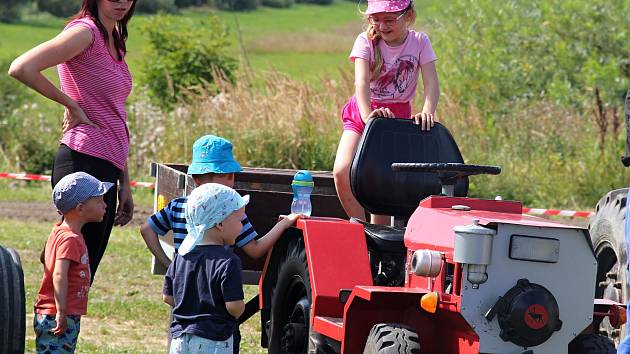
{"x": 396, "y": 78}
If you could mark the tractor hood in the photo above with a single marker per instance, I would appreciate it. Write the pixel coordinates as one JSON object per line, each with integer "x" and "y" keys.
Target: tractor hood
{"x": 431, "y": 225}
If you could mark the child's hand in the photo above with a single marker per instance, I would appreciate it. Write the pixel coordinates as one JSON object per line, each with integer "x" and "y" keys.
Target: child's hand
{"x": 426, "y": 121}
{"x": 62, "y": 324}
{"x": 290, "y": 219}
{"x": 381, "y": 112}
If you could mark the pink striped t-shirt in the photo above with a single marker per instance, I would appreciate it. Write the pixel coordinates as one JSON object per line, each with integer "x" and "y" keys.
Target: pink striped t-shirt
{"x": 100, "y": 84}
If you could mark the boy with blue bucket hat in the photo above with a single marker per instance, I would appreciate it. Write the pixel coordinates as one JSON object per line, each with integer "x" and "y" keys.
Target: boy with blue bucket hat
{"x": 212, "y": 162}
{"x": 203, "y": 283}
{"x": 63, "y": 294}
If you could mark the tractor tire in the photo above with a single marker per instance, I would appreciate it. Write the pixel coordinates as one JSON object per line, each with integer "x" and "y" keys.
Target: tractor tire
{"x": 607, "y": 236}
{"x": 591, "y": 344}
{"x": 291, "y": 332}
{"x": 392, "y": 338}
{"x": 12, "y": 310}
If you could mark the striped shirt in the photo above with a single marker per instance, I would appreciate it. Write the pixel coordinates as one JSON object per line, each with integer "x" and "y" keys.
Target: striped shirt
{"x": 100, "y": 84}
{"x": 173, "y": 218}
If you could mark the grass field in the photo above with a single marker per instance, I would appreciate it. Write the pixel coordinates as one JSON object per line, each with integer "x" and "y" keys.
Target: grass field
{"x": 125, "y": 311}
{"x": 268, "y": 36}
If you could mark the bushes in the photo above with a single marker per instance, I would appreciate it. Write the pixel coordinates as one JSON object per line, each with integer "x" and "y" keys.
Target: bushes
{"x": 182, "y": 55}
{"x": 10, "y": 10}
{"x": 155, "y": 6}
{"x": 28, "y": 134}
{"x": 59, "y": 8}
{"x": 278, "y": 3}
{"x": 235, "y": 5}
{"x": 317, "y": 2}
{"x": 558, "y": 50}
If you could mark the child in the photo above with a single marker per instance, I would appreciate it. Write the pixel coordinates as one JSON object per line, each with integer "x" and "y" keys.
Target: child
{"x": 387, "y": 60}
{"x": 63, "y": 294}
{"x": 203, "y": 283}
{"x": 212, "y": 162}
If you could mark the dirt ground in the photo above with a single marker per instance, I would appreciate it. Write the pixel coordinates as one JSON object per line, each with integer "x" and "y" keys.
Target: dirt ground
{"x": 44, "y": 212}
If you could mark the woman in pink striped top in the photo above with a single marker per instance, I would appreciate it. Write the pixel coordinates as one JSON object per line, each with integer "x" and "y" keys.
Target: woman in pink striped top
{"x": 95, "y": 83}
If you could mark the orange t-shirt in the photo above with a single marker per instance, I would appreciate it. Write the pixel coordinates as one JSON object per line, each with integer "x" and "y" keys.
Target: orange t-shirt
{"x": 63, "y": 243}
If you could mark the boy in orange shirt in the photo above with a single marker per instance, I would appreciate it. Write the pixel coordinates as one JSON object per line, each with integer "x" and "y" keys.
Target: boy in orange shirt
{"x": 63, "y": 294}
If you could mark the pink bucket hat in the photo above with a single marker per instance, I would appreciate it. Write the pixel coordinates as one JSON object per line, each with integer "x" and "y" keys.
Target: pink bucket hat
{"x": 376, "y": 6}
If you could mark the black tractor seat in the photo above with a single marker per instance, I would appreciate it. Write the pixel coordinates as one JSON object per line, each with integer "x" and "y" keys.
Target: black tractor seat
{"x": 382, "y": 238}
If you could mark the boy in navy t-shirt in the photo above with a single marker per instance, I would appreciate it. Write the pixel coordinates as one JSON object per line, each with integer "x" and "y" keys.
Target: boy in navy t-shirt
{"x": 203, "y": 283}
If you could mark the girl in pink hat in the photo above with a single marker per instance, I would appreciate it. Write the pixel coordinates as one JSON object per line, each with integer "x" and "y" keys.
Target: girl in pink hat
{"x": 388, "y": 58}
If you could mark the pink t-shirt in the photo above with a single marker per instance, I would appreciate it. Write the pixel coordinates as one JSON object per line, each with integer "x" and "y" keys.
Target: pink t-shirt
{"x": 100, "y": 84}
{"x": 399, "y": 78}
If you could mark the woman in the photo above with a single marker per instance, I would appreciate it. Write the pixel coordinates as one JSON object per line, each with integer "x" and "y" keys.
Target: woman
{"x": 95, "y": 83}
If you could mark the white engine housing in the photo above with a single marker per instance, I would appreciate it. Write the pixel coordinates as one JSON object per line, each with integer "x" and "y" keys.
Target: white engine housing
{"x": 571, "y": 281}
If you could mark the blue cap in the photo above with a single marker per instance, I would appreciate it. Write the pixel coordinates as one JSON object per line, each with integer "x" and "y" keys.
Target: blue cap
{"x": 303, "y": 178}
{"x": 212, "y": 154}
{"x": 76, "y": 188}
{"x": 206, "y": 206}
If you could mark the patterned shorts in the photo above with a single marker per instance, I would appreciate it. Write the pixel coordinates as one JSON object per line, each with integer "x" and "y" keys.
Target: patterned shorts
{"x": 191, "y": 344}
{"x": 47, "y": 343}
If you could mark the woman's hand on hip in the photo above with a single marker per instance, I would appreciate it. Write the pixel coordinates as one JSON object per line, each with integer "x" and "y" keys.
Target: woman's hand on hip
{"x": 73, "y": 116}
{"x": 124, "y": 212}
{"x": 426, "y": 121}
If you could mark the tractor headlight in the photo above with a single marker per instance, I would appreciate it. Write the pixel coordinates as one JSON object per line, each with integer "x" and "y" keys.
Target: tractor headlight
{"x": 535, "y": 249}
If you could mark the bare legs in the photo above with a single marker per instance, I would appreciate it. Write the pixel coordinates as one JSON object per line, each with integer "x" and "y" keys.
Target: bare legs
{"x": 341, "y": 172}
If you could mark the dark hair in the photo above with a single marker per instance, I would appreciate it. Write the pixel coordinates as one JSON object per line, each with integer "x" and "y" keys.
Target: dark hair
{"x": 89, "y": 8}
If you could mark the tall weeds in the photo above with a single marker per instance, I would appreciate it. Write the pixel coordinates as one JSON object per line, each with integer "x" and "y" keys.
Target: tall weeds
{"x": 550, "y": 154}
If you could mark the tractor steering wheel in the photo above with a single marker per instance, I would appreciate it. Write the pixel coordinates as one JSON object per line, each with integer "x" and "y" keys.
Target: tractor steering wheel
{"x": 449, "y": 172}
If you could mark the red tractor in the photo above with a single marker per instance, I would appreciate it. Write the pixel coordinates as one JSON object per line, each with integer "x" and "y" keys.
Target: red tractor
{"x": 452, "y": 275}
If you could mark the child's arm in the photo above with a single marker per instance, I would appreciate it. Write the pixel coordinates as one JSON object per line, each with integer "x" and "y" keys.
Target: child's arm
{"x": 235, "y": 308}
{"x": 260, "y": 247}
{"x": 153, "y": 244}
{"x": 169, "y": 300}
{"x": 362, "y": 92}
{"x": 426, "y": 118}
{"x": 60, "y": 285}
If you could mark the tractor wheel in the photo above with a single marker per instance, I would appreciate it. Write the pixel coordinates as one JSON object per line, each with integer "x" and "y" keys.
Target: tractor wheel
{"x": 291, "y": 307}
{"x": 392, "y": 338}
{"x": 12, "y": 310}
{"x": 591, "y": 344}
{"x": 607, "y": 235}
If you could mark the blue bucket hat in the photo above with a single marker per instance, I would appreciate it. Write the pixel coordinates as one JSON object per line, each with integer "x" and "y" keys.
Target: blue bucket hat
{"x": 212, "y": 154}
{"x": 76, "y": 188}
{"x": 206, "y": 206}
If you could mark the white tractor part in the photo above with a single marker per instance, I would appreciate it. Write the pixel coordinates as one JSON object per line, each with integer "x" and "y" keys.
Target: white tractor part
{"x": 537, "y": 291}
{"x": 473, "y": 247}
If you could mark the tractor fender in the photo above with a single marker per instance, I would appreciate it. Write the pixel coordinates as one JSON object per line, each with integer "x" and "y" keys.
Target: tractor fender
{"x": 446, "y": 331}
{"x": 337, "y": 259}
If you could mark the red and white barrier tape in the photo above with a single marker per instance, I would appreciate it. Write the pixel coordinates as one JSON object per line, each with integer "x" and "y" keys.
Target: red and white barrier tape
{"x": 531, "y": 211}
{"x": 568, "y": 213}
{"x": 31, "y": 177}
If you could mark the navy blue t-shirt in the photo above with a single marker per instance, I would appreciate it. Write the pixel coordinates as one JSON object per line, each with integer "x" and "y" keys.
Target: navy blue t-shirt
{"x": 201, "y": 282}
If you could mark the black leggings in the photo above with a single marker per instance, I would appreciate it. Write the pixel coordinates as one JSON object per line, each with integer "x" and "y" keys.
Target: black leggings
{"x": 96, "y": 234}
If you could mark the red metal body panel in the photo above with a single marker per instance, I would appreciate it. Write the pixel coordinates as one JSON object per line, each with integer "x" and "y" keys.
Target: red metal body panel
{"x": 445, "y": 332}
{"x": 337, "y": 259}
{"x": 435, "y": 216}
